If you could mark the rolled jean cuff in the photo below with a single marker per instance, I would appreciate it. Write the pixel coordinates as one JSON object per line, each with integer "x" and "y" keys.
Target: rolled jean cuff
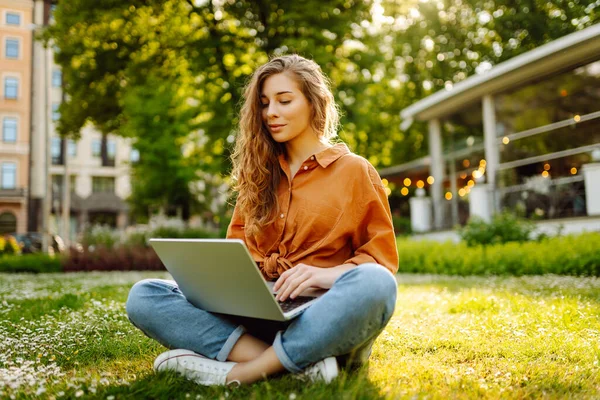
{"x": 284, "y": 359}
{"x": 230, "y": 342}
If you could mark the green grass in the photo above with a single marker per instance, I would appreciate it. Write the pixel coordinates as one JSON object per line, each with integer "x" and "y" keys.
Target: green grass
{"x": 67, "y": 336}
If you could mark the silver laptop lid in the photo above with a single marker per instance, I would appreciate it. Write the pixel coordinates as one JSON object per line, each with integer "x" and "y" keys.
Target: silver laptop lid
{"x": 218, "y": 275}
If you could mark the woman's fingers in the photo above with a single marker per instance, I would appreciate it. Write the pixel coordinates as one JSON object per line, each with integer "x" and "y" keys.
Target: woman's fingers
{"x": 301, "y": 288}
{"x": 291, "y": 284}
{"x": 285, "y": 275}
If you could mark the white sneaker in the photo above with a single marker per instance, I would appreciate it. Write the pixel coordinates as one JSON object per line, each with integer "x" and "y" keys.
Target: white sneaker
{"x": 323, "y": 371}
{"x": 194, "y": 367}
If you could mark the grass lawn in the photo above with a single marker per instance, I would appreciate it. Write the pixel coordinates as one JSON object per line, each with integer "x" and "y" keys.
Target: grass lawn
{"x": 67, "y": 336}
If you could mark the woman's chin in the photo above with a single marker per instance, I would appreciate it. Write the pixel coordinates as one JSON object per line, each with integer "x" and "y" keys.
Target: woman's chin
{"x": 279, "y": 138}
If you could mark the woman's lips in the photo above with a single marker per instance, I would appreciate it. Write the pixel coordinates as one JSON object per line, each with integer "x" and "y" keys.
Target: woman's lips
{"x": 276, "y": 127}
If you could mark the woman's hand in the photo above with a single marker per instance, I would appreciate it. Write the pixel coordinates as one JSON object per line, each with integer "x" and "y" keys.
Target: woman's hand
{"x": 295, "y": 280}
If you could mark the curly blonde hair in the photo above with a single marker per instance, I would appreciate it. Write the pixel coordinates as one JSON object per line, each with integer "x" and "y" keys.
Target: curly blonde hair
{"x": 256, "y": 171}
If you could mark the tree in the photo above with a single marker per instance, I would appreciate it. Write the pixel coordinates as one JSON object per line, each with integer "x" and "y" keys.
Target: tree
{"x": 381, "y": 56}
{"x": 206, "y": 50}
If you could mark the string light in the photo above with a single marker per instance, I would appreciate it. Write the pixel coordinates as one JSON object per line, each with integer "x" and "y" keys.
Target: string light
{"x": 466, "y": 163}
{"x": 430, "y": 180}
{"x": 404, "y": 191}
{"x": 384, "y": 181}
{"x": 577, "y": 118}
{"x": 471, "y": 183}
{"x": 407, "y": 182}
{"x": 463, "y": 175}
{"x": 388, "y": 191}
{"x": 420, "y": 184}
{"x": 448, "y": 196}
{"x": 546, "y": 167}
{"x": 505, "y": 140}
{"x": 573, "y": 171}
{"x": 482, "y": 163}
{"x": 545, "y": 174}
{"x": 462, "y": 192}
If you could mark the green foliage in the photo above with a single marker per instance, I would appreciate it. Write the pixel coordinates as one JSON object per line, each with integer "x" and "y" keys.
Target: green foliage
{"x": 169, "y": 73}
{"x": 188, "y": 233}
{"x": 159, "y": 120}
{"x": 402, "y": 225}
{"x": 503, "y": 228}
{"x": 108, "y": 238}
{"x": 137, "y": 239}
{"x": 37, "y": 263}
{"x": 568, "y": 255}
{"x": 101, "y": 236}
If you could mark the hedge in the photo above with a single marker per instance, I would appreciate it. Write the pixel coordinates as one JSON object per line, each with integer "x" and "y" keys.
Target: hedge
{"x": 30, "y": 263}
{"x": 565, "y": 255}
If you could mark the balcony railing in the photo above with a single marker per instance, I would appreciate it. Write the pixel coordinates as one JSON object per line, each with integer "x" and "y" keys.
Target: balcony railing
{"x": 16, "y": 192}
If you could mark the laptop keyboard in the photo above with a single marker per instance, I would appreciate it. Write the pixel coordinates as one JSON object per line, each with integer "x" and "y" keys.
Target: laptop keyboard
{"x": 290, "y": 304}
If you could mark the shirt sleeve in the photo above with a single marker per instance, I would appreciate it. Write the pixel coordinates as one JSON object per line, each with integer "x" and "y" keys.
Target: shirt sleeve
{"x": 374, "y": 239}
{"x": 236, "y": 226}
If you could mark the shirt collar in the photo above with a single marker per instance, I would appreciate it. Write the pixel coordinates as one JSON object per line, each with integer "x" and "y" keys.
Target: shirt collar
{"x": 330, "y": 154}
{"x": 325, "y": 157}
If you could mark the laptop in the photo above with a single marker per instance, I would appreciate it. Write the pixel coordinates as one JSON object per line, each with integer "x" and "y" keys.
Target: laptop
{"x": 219, "y": 275}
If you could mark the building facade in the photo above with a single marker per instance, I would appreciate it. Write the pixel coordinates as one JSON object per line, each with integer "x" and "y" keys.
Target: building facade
{"x": 524, "y": 137}
{"x": 16, "y": 38}
{"x": 97, "y": 167}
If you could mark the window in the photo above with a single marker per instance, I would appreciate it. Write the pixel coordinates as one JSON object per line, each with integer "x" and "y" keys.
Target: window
{"x": 71, "y": 148}
{"x": 11, "y": 88}
{"x": 58, "y": 184}
{"x": 103, "y": 184}
{"x": 12, "y": 48}
{"x": 55, "y": 112}
{"x": 13, "y": 19}
{"x": 56, "y": 78}
{"x": 9, "y": 175}
{"x": 134, "y": 156}
{"x": 111, "y": 149}
{"x": 56, "y": 150}
{"x": 8, "y": 223}
{"x": 9, "y": 130}
{"x": 96, "y": 147}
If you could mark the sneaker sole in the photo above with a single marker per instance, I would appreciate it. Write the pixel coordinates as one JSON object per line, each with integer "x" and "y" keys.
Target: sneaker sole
{"x": 171, "y": 354}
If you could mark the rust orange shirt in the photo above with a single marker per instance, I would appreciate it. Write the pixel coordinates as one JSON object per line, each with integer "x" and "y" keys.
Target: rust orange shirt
{"x": 334, "y": 211}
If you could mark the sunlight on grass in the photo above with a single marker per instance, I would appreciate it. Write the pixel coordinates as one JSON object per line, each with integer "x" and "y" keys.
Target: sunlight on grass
{"x": 67, "y": 336}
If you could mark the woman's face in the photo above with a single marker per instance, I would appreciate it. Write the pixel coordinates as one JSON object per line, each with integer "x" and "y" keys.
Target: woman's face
{"x": 285, "y": 110}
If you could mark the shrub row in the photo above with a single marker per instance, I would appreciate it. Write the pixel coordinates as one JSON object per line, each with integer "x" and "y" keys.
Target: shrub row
{"x": 30, "y": 263}
{"x": 566, "y": 255}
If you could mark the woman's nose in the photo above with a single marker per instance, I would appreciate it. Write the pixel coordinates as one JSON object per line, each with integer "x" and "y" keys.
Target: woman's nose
{"x": 271, "y": 110}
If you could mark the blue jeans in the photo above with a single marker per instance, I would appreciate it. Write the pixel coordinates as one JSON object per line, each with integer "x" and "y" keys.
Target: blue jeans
{"x": 344, "y": 322}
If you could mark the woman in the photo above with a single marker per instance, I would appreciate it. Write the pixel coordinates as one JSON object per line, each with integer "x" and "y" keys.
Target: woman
{"x": 312, "y": 214}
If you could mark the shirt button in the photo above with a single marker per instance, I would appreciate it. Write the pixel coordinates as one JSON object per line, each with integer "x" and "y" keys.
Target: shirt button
{"x": 282, "y": 215}
{"x": 305, "y": 167}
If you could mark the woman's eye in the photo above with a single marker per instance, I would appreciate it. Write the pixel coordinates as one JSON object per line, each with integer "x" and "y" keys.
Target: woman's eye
{"x": 263, "y": 105}
{"x": 286, "y": 102}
